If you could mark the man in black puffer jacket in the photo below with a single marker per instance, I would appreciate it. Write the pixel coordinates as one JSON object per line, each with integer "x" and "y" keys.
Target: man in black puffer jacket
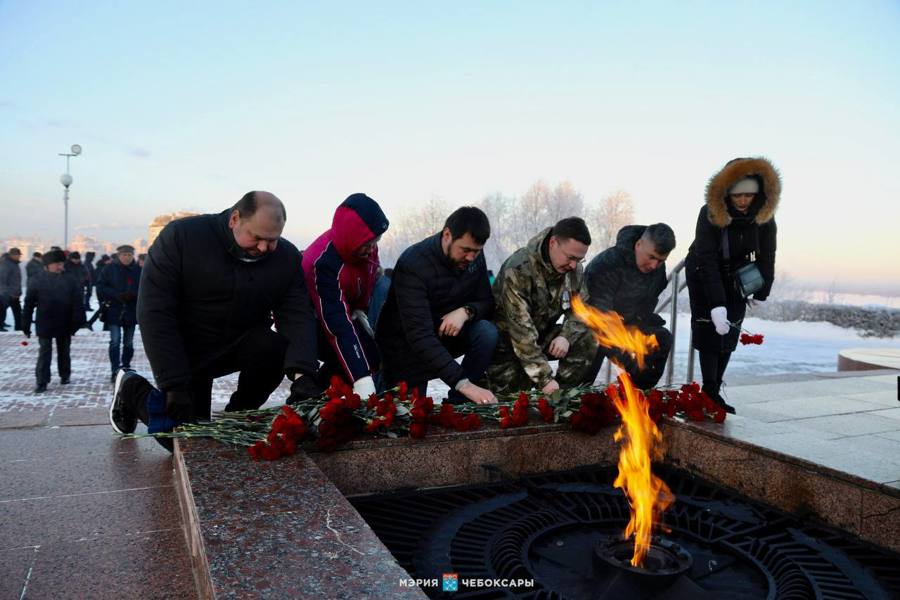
{"x": 208, "y": 294}
{"x": 438, "y": 308}
{"x": 628, "y": 279}
{"x": 60, "y": 314}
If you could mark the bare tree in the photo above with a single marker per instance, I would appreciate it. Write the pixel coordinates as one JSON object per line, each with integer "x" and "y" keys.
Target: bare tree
{"x": 500, "y": 210}
{"x": 412, "y": 226}
{"x": 565, "y": 201}
{"x": 614, "y": 212}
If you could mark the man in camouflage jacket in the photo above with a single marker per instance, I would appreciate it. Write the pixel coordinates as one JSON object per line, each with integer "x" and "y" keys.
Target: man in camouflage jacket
{"x": 533, "y": 290}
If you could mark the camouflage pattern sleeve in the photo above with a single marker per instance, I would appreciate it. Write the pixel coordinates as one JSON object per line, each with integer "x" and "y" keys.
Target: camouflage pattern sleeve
{"x": 524, "y": 336}
{"x": 572, "y": 326}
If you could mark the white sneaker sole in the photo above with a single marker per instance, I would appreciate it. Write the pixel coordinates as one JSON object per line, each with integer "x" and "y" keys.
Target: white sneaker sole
{"x": 120, "y": 377}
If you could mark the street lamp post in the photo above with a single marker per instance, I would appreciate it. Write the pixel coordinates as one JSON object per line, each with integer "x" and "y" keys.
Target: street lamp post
{"x": 66, "y": 180}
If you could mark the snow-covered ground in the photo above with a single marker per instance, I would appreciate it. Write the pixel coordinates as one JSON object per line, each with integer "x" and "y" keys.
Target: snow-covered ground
{"x": 789, "y": 347}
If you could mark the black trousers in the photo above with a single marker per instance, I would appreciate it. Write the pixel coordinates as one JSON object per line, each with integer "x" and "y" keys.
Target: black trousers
{"x": 654, "y": 363}
{"x": 332, "y": 365}
{"x": 259, "y": 358}
{"x": 16, "y": 306}
{"x": 712, "y": 368}
{"x": 45, "y": 354}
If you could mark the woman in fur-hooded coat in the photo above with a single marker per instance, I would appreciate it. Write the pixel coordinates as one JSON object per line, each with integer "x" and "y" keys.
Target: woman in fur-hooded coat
{"x": 736, "y": 226}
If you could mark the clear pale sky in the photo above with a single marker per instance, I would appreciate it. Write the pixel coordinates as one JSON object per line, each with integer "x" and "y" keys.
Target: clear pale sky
{"x": 187, "y": 105}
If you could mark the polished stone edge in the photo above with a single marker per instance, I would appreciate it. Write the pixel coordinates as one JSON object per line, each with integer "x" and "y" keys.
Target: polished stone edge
{"x": 232, "y": 573}
{"x": 859, "y": 507}
{"x": 856, "y": 480}
{"x": 191, "y": 524}
{"x": 470, "y": 457}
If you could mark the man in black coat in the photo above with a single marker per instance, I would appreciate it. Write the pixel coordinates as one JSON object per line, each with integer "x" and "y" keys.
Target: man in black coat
{"x": 75, "y": 269}
{"x": 11, "y": 288}
{"x": 119, "y": 285}
{"x": 59, "y": 315}
{"x": 208, "y": 293}
{"x": 628, "y": 279}
{"x": 35, "y": 265}
{"x": 438, "y": 308}
{"x": 91, "y": 278}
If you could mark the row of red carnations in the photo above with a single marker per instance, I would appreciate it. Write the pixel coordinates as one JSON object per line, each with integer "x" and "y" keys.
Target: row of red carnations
{"x": 342, "y": 415}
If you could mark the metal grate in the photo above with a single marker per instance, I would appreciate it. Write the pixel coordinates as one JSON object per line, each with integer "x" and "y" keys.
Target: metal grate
{"x": 545, "y": 528}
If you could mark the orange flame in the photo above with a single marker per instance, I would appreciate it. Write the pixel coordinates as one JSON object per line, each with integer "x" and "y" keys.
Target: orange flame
{"x": 611, "y": 332}
{"x": 648, "y": 495}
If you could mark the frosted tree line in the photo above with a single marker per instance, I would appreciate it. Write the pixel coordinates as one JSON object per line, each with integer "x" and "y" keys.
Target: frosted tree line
{"x": 514, "y": 219}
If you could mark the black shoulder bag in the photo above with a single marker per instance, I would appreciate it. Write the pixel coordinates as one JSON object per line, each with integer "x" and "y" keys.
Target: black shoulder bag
{"x": 747, "y": 279}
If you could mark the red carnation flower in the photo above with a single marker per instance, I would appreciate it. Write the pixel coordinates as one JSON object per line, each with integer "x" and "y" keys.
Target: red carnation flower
{"x": 546, "y": 410}
{"x": 748, "y": 338}
{"x": 417, "y": 430}
{"x": 505, "y": 420}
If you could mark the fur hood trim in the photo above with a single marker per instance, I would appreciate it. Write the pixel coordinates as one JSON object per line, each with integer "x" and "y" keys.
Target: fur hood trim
{"x": 731, "y": 173}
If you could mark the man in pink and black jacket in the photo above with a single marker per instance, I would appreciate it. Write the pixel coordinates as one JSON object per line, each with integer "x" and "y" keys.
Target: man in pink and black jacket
{"x": 341, "y": 267}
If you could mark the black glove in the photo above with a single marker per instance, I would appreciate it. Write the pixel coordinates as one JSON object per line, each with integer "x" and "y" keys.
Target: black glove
{"x": 179, "y": 405}
{"x": 304, "y": 388}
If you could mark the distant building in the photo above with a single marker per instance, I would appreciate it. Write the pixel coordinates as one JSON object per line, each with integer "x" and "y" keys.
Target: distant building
{"x": 161, "y": 221}
{"x": 83, "y": 244}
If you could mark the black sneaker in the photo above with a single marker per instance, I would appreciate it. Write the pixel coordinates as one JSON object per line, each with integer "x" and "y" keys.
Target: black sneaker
{"x": 40, "y": 388}
{"x": 64, "y": 381}
{"x": 120, "y": 418}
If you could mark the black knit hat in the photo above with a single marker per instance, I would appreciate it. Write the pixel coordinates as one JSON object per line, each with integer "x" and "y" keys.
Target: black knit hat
{"x": 53, "y": 256}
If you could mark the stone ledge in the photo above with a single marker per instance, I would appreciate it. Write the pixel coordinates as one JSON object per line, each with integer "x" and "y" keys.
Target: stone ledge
{"x": 286, "y": 529}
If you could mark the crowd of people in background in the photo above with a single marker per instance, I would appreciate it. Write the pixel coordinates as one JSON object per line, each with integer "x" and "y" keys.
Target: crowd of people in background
{"x": 259, "y": 306}
{"x": 59, "y": 290}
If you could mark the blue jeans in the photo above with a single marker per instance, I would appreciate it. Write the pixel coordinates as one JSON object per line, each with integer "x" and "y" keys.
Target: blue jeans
{"x": 476, "y": 341}
{"x": 121, "y": 335}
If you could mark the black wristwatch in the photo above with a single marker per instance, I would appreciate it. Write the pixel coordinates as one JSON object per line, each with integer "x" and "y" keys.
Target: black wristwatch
{"x": 470, "y": 311}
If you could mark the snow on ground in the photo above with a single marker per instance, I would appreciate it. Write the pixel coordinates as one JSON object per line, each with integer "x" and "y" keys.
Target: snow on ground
{"x": 788, "y": 347}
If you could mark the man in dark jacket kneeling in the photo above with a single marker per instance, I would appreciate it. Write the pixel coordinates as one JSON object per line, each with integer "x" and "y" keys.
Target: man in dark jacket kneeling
{"x": 209, "y": 290}
{"x": 628, "y": 279}
{"x": 437, "y": 308}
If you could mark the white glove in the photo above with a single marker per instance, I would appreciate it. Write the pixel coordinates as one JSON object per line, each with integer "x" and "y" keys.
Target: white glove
{"x": 364, "y": 387}
{"x": 720, "y": 319}
{"x": 360, "y": 316}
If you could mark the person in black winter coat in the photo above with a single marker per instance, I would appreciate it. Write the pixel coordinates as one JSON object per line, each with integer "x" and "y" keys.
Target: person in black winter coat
{"x": 11, "y": 288}
{"x": 119, "y": 285}
{"x": 735, "y": 228}
{"x": 58, "y": 300}
{"x": 98, "y": 271}
{"x": 92, "y": 279}
{"x": 34, "y": 266}
{"x": 208, "y": 294}
{"x": 437, "y": 308}
{"x": 628, "y": 279}
{"x": 75, "y": 269}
